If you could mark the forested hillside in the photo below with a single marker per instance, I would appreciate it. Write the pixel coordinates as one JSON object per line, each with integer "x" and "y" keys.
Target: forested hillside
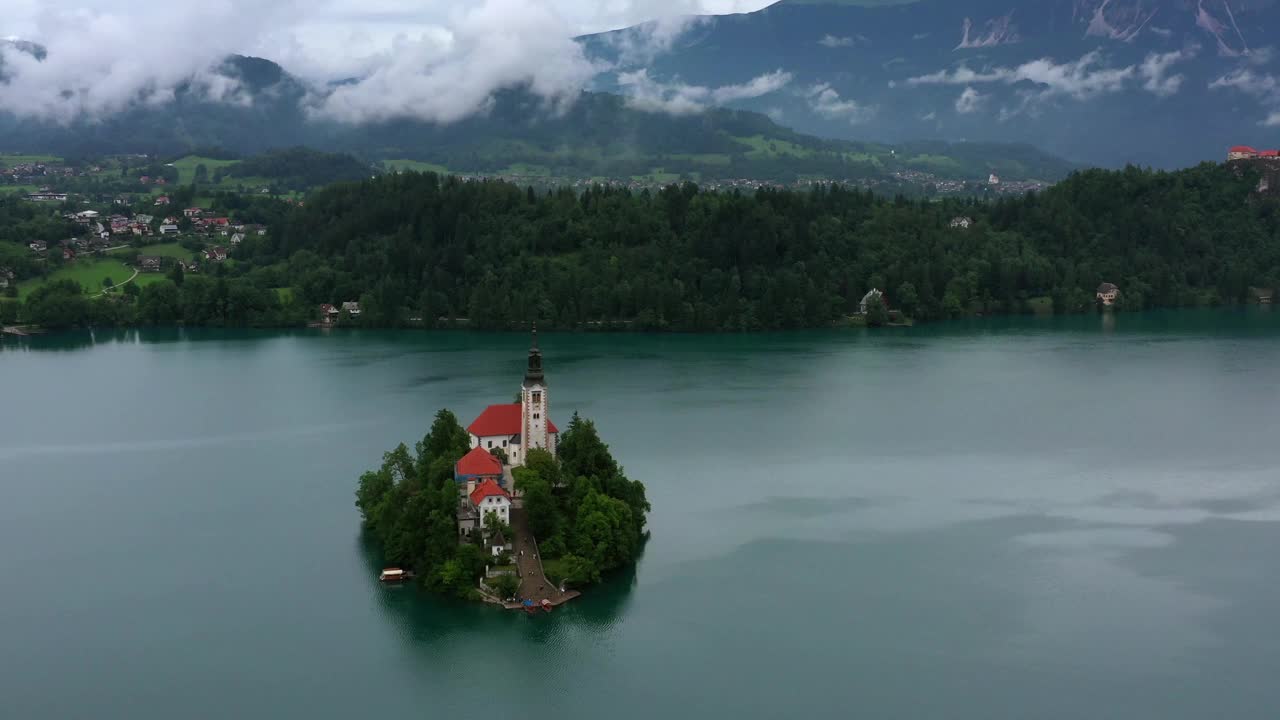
{"x": 416, "y": 249}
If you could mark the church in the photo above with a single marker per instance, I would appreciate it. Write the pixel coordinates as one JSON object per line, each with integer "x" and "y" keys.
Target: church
{"x": 516, "y": 428}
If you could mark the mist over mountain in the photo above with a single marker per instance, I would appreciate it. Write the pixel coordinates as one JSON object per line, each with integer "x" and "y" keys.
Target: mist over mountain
{"x": 248, "y": 105}
{"x": 1158, "y": 82}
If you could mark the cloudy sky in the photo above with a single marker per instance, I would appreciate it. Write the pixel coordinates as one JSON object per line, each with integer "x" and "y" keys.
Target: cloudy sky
{"x": 433, "y": 59}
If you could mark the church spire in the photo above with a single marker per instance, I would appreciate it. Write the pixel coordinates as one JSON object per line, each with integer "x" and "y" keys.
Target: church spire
{"x": 533, "y": 374}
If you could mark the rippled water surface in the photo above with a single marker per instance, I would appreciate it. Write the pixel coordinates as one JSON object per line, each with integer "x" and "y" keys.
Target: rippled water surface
{"x": 1011, "y": 519}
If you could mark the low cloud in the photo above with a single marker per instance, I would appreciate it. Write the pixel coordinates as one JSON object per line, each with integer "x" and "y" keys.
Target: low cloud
{"x": 92, "y": 66}
{"x": 970, "y": 101}
{"x": 831, "y": 41}
{"x": 1259, "y": 85}
{"x": 1263, "y": 87}
{"x": 825, "y": 101}
{"x": 1082, "y": 79}
{"x": 498, "y": 44}
{"x": 677, "y": 98}
{"x": 436, "y": 62}
{"x": 1155, "y": 71}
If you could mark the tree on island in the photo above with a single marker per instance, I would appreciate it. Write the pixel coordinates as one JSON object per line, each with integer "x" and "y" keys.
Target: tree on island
{"x": 584, "y": 509}
{"x": 877, "y": 313}
{"x": 408, "y": 505}
{"x": 505, "y": 586}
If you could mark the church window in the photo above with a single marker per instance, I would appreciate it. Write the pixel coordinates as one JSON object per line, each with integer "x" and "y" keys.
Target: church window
{"x": 536, "y": 416}
{"x": 537, "y": 396}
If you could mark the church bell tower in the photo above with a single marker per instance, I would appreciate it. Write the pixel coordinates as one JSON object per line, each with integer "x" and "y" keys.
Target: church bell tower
{"x": 534, "y": 405}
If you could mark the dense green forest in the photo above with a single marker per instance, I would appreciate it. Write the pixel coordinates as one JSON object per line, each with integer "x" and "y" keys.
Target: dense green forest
{"x": 301, "y": 168}
{"x": 417, "y": 249}
{"x": 588, "y": 515}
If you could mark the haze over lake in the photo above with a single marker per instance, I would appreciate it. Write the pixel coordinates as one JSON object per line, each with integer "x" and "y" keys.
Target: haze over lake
{"x": 1049, "y": 518}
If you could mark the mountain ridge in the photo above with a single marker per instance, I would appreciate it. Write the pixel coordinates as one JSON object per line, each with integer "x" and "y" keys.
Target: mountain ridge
{"x": 598, "y": 135}
{"x": 1107, "y": 82}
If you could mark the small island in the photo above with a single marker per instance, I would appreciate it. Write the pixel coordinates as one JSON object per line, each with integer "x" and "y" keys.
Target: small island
{"x": 508, "y": 510}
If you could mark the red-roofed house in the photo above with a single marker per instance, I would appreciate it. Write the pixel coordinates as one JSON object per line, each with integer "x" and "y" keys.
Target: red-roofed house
{"x": 1241, "y": 152}
{"x": 490, "y": 498}
{"x": 1269, "y": 154}
{"x": 476, "y": 467}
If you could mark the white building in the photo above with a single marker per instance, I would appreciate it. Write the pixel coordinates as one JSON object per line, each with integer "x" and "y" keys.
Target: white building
{"x": 489, "y": 498}
{"x": 961, "y": 222}
{"x": 515, "y": 428}
{"x": 873, "y": 295}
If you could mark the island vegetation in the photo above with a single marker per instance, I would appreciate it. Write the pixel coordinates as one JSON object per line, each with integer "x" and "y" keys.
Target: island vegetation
{"x": 421, "y": 250}
{"x": 588, "y": 516}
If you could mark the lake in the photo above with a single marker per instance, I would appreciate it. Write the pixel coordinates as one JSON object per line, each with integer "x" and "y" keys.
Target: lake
{"x": 1048, "y": 518}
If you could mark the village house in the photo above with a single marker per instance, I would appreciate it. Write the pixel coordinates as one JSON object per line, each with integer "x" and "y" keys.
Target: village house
{"x": 87, "y": 216}
{"x": 150, "y": 263}
{"x": 351, "y": 308}
{"x": 6, "y": 276}
{"x": 216, "y": 254}
{"x": 328, "y": 314}
{"x": 518, "y": 427}
{"x": 961, "y": 222}
{"x": 39, "y": 246}
{"x": 162, "y": 200}
{"x": 489, "y": 500}
{"x": 994, "y": 179}
{"x": 1107, "y": 293}
{"x": 168, "y": 229}
{"x": 68, "y": 254}
{"x": 873, "y": 295}
{"x": 189, "y": 266}
{"x": 47, "y": 196}
{"x": 192, "y": 212}
{"x": 1262, "y": 296}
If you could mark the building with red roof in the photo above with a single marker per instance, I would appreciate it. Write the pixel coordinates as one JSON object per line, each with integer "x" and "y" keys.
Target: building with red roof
{"x": 477, "y": 466}
{"x": 515, "y": 428}
{"x": 487, "y": 498}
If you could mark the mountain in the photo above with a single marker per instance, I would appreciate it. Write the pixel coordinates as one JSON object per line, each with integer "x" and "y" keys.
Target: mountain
{"x": 598, "y": 135}
{"x": 1156, "y": 82}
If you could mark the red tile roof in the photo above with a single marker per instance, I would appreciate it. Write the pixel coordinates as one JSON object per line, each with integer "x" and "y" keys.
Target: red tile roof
{"x": 487, "y": 489}
{"x": 478, "y": 462}
{"x": 1269, "y": 153}
{"x": 501, "y": 420}
{"x": 1242, "y": 149}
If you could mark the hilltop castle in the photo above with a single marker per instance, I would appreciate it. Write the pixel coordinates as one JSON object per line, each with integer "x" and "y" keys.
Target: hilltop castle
{"x": 1244, "y": 152}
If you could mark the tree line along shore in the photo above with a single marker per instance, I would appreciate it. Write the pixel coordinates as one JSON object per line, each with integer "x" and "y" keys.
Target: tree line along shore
{"x": 421, "y": 250}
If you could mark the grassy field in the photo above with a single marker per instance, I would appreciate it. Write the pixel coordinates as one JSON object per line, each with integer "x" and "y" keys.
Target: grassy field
{"x": 145, "y": 279}
{"x": 11, "y": 160}
{"x": 19, "y": 189}
{"x": 173, "y": 250}
{"x": 762, "y": 147}
{"x": 414, "y": 166}
{"x": 933, "y": 163}
{"x": 1041, "y": 305}
{"x": 526, "y": 170}
{"x": 89, "y": 272}
{"x": 187, "y": 167}
{"x": 658, "y": 176}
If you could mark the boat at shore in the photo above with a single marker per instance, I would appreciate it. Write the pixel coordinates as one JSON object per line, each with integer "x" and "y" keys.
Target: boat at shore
{"x": 395, "y": 575}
